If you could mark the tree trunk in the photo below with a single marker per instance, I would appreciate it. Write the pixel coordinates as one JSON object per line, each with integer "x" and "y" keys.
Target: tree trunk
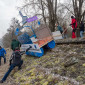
{"x": 52, "y": 14}
{"x": 77, "y": 32}
{"x": 77, "y": 6}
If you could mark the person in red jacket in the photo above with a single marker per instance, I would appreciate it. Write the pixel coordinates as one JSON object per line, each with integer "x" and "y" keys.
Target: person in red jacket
{"x": 74, "y": 26}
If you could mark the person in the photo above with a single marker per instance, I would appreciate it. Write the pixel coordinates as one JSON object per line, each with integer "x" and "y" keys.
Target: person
{"x": 15, "y": 60}
{"x": 74, "y": 26}
{"x": 64, "y": 32}
{"x": 81, "y": 29}
{"x": 2, "y": 54}
{"x": 15, "y": 43}
{"x": 59, "y": 28}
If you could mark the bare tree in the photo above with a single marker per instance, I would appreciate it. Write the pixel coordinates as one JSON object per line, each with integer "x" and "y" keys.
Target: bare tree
{"x": 45, "y": 9}
{"x": 7, "y": 38}
{"x": 76, "y": 8}
{"x": 78, "y": 11}
{"x": 52, "y": 10}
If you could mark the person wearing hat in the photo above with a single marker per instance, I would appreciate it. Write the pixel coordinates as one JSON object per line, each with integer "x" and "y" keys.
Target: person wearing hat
{"x": 15, "y": 43}
{"x": 74, "y": 26}
{"x": 2, "y": 54}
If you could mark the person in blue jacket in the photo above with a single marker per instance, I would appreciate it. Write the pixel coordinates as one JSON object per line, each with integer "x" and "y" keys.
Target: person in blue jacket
{"x": 59, "y": 28}
{"x": 2, "y": 54}
{"x": 15, "y": 60}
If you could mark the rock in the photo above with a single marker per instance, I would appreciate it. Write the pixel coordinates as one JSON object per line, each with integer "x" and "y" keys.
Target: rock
{"x": 71, "y": 62}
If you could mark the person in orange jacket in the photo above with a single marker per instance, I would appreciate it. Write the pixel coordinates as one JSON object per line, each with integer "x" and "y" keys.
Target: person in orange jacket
{"x": 74, "y": 26}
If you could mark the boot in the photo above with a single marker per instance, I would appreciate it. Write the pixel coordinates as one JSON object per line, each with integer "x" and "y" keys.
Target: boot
{"x": 1, "y": 81}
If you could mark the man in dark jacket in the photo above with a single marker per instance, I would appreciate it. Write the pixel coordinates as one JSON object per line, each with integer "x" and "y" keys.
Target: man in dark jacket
{"x": 81, "y": 29}
{"x": 15, "y": 60}
{"x": 2, "y": 54}
{"x": 15, "y": 43}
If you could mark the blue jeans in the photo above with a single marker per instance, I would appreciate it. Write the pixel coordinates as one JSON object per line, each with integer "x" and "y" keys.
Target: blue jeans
{"x": 81, "y": 34}
{"x": 4, "y": 59}
{"x": 12, "y": 66}
{"x": 64, "y": 36}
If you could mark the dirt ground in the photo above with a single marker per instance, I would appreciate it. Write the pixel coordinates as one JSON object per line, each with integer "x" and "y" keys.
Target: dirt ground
{"x": 4, "y": 68}
{"x": 62, "y": 65}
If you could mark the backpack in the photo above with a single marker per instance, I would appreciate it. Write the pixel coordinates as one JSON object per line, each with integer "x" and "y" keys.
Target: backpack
{"x": 16, "y": 58}
{"x": 17, "y": 54}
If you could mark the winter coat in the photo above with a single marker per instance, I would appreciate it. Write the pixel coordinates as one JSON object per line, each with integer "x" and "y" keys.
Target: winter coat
{"x": 15, "y": 44}
{"x": 74, "y": 23}
{"x": 16, "y": 56}
{"x": 82, "y": 27}
{"x": 60, "y": 29}
{"x": 2, "y": 52}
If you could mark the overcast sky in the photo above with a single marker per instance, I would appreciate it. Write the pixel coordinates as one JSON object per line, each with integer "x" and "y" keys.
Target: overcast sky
{"x": 8, "y": 9}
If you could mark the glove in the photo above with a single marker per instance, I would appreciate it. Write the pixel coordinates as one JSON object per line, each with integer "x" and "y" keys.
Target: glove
{"x": 4, "y": 54}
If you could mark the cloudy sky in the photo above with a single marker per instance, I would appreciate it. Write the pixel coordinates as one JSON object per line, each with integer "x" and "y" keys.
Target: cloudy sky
{"x": 8, "y": 9}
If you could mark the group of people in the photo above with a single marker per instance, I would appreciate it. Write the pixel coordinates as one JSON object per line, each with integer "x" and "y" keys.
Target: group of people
{"x": 15, "y": 59}
{"x": 74, "y": 26}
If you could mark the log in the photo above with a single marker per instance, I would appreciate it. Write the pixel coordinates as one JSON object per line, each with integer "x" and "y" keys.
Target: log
{"x": 70, "y": 41}
{"x": 71, "y": 62}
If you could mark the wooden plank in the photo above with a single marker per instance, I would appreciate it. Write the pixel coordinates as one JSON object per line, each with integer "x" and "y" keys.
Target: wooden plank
{"x": 44, "y": 41}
